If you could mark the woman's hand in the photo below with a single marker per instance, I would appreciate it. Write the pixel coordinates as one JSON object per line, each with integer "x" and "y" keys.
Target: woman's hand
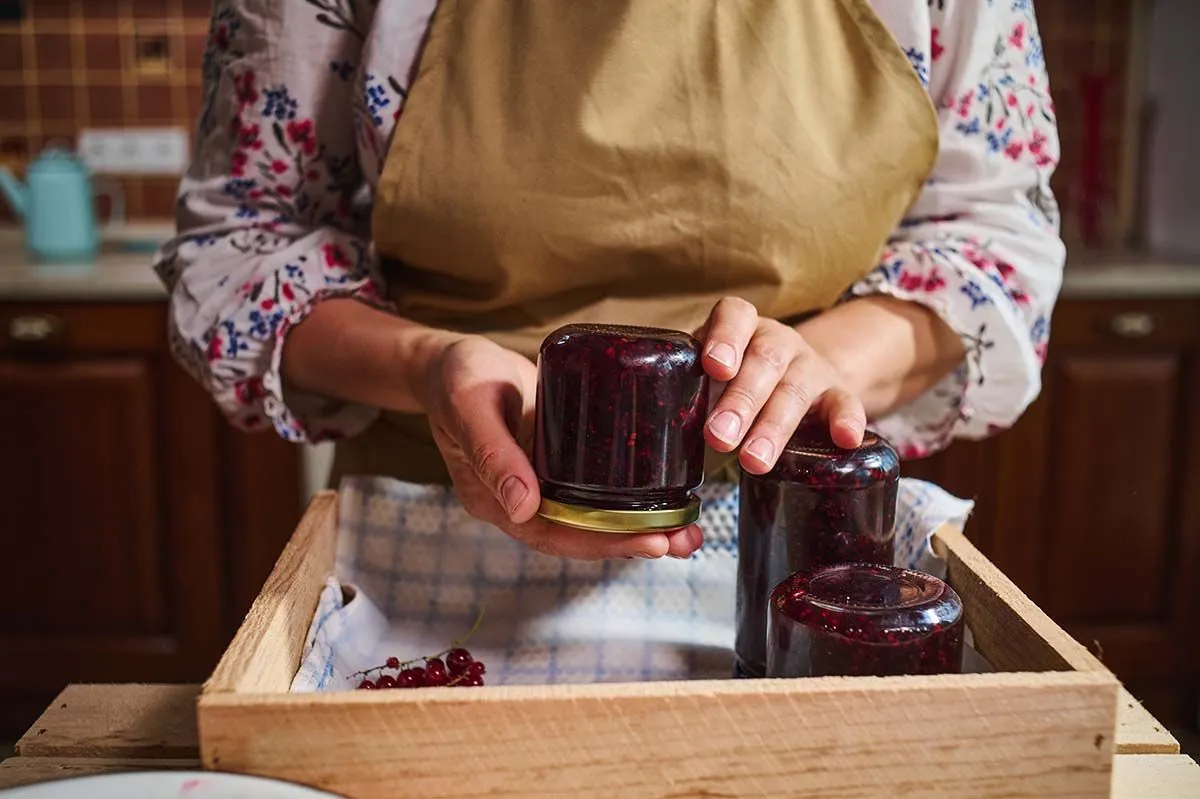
{"x": 480, "y": 398}
{"x": 774, "y": 378}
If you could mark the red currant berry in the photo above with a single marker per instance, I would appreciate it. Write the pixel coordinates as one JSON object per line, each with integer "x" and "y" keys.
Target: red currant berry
{"x": 472, "y": 682}
{"x": 367, "y": 685}
{"x": 386, "y": 681}
{"x": 406, "y": 679}
{"x": 458, "y": 660}
{"x": 433, "y": 679}
{"x": 418, "y": 676}
{"x": 393, "y": 662}
{"x": 476, "y": 669}
{"x": 435, "y": 666}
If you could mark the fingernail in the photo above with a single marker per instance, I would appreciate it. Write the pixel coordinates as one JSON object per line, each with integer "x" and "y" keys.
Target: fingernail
{"x": 647, "y": 556}
{"x": 761, "y": 450}
{"x": 681, "y": 557}
{"x": 513, "y": 491}
{"x": 723, "y": 354}
{"x": 726, "y": 426}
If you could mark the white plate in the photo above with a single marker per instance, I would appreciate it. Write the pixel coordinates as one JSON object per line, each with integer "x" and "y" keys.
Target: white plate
{"x": 165, "y": 785}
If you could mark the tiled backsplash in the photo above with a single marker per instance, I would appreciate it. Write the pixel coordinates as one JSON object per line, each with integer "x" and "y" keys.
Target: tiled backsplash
{"x": 78, "y": 63}
{"x": 73, "y": 64}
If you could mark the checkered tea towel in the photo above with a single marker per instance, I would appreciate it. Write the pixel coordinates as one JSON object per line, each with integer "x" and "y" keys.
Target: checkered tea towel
{"x": 414, "y": 570}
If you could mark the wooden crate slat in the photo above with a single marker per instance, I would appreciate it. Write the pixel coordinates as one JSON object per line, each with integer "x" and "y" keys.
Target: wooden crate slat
{"x": 1139, "y": 733}
{"x": 116, "y": 721}
{"x": 266, "y": 652}
{"x": 17, "y": 771}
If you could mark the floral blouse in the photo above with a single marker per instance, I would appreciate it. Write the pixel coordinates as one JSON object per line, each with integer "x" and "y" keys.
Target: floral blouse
{"x": 299, "y": 107}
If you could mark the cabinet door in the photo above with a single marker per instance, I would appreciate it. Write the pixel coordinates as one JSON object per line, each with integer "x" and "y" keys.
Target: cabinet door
{"x": 1120, "y": 548}
{"x": 108, "y": 485}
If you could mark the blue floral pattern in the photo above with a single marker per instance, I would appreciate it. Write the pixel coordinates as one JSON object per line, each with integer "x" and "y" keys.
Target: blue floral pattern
{"x": 274, "y": 217}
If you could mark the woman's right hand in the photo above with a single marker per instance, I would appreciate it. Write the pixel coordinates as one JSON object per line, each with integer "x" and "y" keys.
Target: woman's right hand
{"x": 479, "y": 398}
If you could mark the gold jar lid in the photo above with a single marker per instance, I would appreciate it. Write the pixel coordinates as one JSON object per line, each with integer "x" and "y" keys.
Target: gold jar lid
{"x": 621, "y": 521}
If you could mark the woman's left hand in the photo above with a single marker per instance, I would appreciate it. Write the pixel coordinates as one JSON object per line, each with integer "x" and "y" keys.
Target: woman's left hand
{"x": 774, "y": 378}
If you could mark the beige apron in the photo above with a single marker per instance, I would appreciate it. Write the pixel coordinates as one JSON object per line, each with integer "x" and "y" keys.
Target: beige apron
{"x": 633, "y": 161}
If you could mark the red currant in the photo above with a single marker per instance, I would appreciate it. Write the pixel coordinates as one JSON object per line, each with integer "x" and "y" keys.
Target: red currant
{"x": 435, "y": 666}
{"x": 472, "y": 682}
{"x": 386, "y": 681}
{"x": 406, "y": 679}
{"x": 458, "y": 660}
{"x": 433, "y": 679}
{"x": 476, "y": 669}
{"x": 367, "y": 685}
{"x": 417, "y": 674}
{"x": 393, "y": 662}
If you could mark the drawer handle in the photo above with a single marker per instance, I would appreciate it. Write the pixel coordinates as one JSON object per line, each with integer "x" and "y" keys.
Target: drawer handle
{"x": 34, "y": 329}
{"x": 1132, "y": 324}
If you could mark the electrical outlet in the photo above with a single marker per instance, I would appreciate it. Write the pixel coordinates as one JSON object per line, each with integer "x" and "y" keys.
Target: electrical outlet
{"x": 135, "y": 151}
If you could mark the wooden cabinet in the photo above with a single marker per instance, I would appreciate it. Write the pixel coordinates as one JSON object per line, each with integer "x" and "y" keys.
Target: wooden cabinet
{"x": 137, "y": 525}
{"x": 1092, "y": 502}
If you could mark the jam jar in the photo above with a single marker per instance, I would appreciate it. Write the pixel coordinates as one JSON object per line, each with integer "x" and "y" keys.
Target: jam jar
{"x": 619, "y": 428}
{"x": 820, "y": 505}
{"x": 862, "y": 619}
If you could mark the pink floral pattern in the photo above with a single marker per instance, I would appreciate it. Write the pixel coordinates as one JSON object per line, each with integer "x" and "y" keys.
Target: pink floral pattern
{"x": 299, "y": 110}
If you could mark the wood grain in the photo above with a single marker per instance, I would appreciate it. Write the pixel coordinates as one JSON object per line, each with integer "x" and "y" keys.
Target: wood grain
{"x": 1010, "y": 631}
{"x": 17, "y": 771}
{"x": 1155, "y": 777}
{"x": 1016, "y": 735}
{"x": 265, "y": 653}
{"x": 116, "y": 721}
{"x": 1046, "y": 731}
{"x": 1139, "y": 733}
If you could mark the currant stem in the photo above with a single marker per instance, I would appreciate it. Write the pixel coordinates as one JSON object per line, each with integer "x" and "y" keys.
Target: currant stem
{"x": 455, "y": 644}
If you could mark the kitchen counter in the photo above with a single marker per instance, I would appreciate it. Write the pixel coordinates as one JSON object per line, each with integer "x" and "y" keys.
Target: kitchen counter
{"x": 118, "y": 274}
{"x": 123, "y": 275}
{"x": 1124, "y": 276}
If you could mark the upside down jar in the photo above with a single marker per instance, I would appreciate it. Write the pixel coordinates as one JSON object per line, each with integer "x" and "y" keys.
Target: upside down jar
{"x": 819, "y": 505}
{"x": 618, "y": 433}
{"x": 863, "y": 620}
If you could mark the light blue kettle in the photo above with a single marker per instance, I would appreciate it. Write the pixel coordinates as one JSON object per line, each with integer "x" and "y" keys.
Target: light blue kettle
{"x": 57, "y": 204}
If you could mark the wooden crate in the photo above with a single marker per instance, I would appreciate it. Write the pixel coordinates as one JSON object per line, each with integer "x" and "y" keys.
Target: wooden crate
{"x": 1043, "y": 727}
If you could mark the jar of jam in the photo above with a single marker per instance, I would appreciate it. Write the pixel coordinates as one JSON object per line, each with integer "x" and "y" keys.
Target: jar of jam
{"x": 861, "y": 619}
{"x": 619, "y": 430}
{"x": 820, "y": 505}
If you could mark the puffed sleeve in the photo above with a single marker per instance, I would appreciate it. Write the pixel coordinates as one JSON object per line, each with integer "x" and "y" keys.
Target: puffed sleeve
{"x": 272, "y": 213}
{"x": 981, "y": 246}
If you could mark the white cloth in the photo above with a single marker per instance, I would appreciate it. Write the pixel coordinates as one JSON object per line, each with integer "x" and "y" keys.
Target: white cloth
{"x": 413, "y": 570}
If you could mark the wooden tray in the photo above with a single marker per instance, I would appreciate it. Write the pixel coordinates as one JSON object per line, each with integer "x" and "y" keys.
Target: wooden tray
{"x": 1043, "y": 727}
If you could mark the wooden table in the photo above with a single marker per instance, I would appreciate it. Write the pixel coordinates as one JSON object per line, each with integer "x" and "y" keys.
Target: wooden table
{"x": 98, "y": 729}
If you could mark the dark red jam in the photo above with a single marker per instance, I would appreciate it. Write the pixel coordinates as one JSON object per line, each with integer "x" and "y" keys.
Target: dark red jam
{"x": 820, "y": 505}
{"x": 861, "y": 619}
{"x": 620, "y": 418}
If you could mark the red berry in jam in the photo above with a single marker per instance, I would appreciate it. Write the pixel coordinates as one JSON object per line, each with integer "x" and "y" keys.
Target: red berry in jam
{"x": 367, "y": 685}
{"x": 820, "y": 505}
{"x": 619, "y": 422}
{"x": 457, "y": 660}
{"x": 386, "y": 681}
{"x": 393, "y": 662}
{"x": 863, "y": 619}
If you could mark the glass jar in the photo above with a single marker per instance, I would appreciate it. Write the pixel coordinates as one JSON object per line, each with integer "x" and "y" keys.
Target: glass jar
{"x": 861, "y": 619}
{"x": 820, "y": 505}
{"x": 619, "y": 430}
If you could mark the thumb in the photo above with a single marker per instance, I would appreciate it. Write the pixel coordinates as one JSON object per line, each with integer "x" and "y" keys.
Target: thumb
{"x": 495, "y": 456}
